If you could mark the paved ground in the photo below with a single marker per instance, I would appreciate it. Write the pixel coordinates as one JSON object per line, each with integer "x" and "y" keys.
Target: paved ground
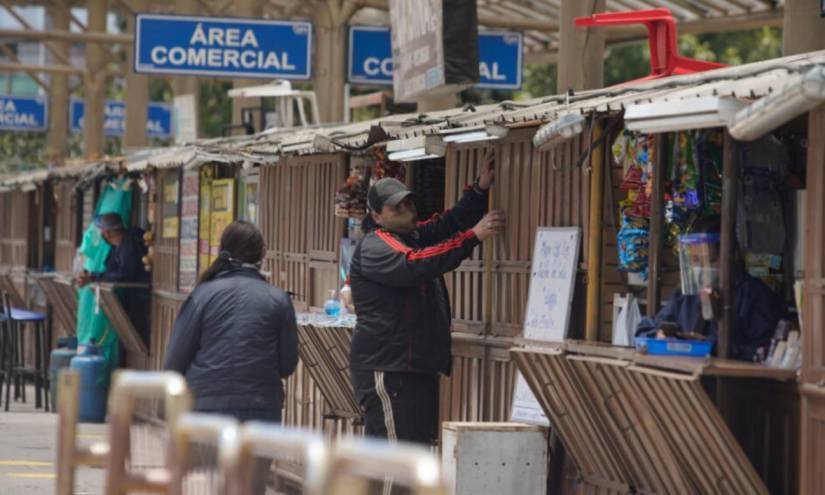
{"x": 28, "y": 440}
{"x": 28, "y": 443}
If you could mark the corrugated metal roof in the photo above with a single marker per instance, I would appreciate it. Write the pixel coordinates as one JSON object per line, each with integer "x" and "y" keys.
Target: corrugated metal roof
{"x": 749, "y": 81}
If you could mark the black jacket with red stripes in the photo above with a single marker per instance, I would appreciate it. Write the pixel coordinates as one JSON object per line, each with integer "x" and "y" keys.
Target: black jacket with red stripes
{"x": 399, "y": 292}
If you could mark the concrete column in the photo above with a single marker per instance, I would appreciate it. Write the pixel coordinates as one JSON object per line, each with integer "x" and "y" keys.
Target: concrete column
{"x": 182, "y": 85}
{"x": 137, "y": 94}
{"x": 56, "y": 139}
{"x": 803, "y": 27}
{"x": 95, "y": 82}
{"x": 254, "y": 9}
{"x": 330, "y": 24}
{"x": 581, "y": 51}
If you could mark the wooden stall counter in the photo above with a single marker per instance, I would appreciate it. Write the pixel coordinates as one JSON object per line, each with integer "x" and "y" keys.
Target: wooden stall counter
{"x": 324, "y": 345}
{"x": 107, "y": 298}
{"x": 636, "y": 423}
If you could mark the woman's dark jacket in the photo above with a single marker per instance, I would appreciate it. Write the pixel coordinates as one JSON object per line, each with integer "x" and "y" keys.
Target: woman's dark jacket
{"x": 235, "y": 339}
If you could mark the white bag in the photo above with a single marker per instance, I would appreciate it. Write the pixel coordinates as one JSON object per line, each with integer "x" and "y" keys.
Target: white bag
{"x": 626, "y": 317}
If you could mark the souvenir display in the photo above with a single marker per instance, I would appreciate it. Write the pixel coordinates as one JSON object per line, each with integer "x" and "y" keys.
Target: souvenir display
{"x": 634, "y": 152}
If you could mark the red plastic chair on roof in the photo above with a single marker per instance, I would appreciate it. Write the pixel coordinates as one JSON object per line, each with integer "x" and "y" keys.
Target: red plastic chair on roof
{"x": 661, "y": 35}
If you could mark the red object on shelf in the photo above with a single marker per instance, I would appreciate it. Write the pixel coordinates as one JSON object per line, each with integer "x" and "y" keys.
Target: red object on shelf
{"x": 661, "y": 35}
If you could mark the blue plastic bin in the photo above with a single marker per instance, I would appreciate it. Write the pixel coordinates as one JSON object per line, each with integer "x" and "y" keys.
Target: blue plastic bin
{"x": 674, "y": 347}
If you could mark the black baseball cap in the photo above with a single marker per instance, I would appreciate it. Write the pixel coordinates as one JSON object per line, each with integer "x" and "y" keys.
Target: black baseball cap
{"x": 387, "y": 191}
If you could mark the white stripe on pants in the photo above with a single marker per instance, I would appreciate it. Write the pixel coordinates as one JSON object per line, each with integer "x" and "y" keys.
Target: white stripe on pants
{"x": 389, "y": 420}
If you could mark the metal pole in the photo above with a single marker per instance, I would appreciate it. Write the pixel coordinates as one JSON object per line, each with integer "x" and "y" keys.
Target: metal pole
{"x": 730, "y": 167}
{"x": 137, "y": 96}
{"x": 594, "y": 234}
{"x": 657, "y": 227}
{"x": 96, "y": 81}
{"x": 57, "y": 137}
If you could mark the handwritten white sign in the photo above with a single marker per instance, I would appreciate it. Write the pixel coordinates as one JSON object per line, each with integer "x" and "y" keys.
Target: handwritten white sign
{"x": 552, "y": 280}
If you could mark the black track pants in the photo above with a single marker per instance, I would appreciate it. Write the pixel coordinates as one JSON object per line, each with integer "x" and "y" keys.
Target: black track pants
{"x": 398, "y": 406}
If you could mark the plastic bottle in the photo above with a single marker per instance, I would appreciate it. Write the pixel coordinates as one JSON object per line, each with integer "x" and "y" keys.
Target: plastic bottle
{"x": 333, "y": 306}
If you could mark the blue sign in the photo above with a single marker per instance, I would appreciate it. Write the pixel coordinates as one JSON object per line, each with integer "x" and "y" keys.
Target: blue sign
{"x": 158, "y": 118}
{"x": 23, "y": 114}
{"x": 370, "y": 55}
{"x": 499, "y": 60}
{"x": 370, "y": 58}
{"x": 228, "y": 47}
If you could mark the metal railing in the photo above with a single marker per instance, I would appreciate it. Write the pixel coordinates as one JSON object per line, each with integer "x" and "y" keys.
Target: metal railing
{"x": 70, "y": 455}
{"x": 127, "y": 388}
{"x": 238, "y": 455}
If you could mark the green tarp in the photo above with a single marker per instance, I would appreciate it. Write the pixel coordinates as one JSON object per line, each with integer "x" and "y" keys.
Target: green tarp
{"x": 92, "y": 324}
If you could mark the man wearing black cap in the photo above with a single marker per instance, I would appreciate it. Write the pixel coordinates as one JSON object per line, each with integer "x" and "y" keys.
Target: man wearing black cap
{"x": 402, "y": 339}
{"x": 124, "y": 264}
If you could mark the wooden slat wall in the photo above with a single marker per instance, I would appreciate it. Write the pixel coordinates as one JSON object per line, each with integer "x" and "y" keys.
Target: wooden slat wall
{"x": 764, "y": 417}
{"x": 65, "y": 226}
{"x": 165, "y": 262}
{"x": 165, "y": 307}
{"x": 535, "y": 189}
{"x": 465, "y": 284}
{"x": 813, "y": 350}
{"x": 300, "y": 230}
{"x": 5, "y": 226}
{"x": 14, "y": 242}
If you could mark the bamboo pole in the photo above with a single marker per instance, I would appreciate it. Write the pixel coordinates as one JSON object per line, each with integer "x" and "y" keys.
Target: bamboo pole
{"x": 594, "y": 244}
{"x": 730, "y": 167}
{"x": 657, "y": 230}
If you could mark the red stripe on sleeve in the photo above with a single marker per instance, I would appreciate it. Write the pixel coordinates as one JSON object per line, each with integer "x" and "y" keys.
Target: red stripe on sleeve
{"x": 392, "y": 242}
{"x": 432, "y": 251}
{"x": 430, "y": 220}
{"x": 444, "y": 247}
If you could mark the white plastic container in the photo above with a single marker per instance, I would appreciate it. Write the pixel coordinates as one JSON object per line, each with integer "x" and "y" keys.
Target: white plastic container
{"x": 494, "y": 458}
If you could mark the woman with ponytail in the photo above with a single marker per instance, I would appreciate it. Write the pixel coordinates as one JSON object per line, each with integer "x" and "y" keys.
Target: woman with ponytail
{"x": 235, "y": 337}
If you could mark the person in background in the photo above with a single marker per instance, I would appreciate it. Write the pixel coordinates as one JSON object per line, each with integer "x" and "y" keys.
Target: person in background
{"x": 235, "y": 338}
{"x": 401, "y": 342}
{"x": 758, "y": 309}
{"x": 124, "y": 264}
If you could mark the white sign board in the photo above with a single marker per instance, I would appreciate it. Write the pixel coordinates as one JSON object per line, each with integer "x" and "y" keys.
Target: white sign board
{"x": 185, "y": 118}
{"x": 552, "y": 280}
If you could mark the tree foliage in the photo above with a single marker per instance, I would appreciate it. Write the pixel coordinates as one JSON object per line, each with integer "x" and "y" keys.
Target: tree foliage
{"x": 628, "y": 62}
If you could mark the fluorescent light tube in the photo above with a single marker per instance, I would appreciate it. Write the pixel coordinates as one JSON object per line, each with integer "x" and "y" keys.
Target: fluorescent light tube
{"x": 681, "y": 115}
{"x": 773, "y": 110}
{"x": 561, "y": 129}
